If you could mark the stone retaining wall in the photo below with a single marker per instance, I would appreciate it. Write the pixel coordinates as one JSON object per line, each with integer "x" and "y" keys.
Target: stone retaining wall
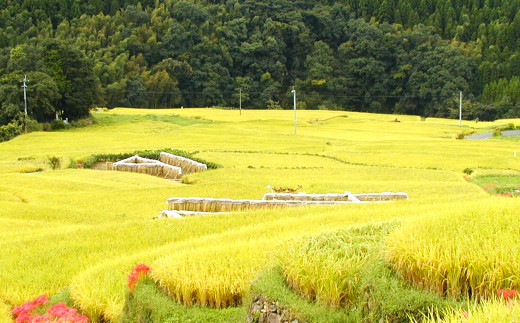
{"x": 263, "y": 310}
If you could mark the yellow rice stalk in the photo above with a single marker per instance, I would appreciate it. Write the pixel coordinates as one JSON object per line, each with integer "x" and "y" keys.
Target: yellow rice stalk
{"x": 102, "y": 222}
{"x": 470, "y": 252}
{"x": 215, "y": 276}
{"x": 495, "y": 310}
{"x": 326, "y": 269}
{"x": 5, "y": 312}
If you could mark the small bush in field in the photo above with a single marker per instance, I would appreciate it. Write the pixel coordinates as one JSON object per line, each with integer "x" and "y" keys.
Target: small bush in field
{"x": 59, "y": 125}
{"x": 10, "y": 131}
{"x": 54, "y": 162}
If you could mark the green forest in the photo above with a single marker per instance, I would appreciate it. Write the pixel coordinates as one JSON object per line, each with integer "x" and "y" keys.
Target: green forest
{"x": 390, "y": 56}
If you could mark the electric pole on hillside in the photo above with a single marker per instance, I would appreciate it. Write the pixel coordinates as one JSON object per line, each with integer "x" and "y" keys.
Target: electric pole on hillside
{"x": 24, "y": 86}
{"x": 240, "y": 101}
{"x": 294, "y": 99}
{"x": 460, "y": 109}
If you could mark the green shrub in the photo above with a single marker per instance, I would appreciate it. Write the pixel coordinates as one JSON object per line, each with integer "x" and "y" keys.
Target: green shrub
{"x": 33, "y": 125}
{"x": 468, "y": 171}
{"x": 10, "y": 131}
{"x": 54, "y": 162}
{"x": 25, "y": 158}
{"x": 46, "y": 126}
{"x": 506, "y": 189}
{"x": 273, "y": 105}
{"x": 498, "y": 131}
{"x": 224, "y": 107}
{"x": 59, "y": 125}
{"x": 72, "y": 163}
{"x": 81, "y": 123}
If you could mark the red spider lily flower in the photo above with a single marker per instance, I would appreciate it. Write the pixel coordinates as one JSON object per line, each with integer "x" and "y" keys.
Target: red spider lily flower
{"x": 507, "y": 293}
{"x": 142, "y": 268}
{"x": 29, "y": 306}
{"x": 56, "y": 313}
{"x": 490, "y": 186}
{"x": 136, "y": 273}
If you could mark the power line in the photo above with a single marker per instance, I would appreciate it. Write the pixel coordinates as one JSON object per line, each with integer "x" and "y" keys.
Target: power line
{"x": 241, "y": 93}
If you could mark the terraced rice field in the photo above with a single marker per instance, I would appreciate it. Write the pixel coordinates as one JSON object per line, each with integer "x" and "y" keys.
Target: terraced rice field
{"x": 83, "y": 230}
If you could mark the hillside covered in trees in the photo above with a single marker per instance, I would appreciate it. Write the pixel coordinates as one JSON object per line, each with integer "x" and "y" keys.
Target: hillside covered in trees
{"x": 390, "y": 56}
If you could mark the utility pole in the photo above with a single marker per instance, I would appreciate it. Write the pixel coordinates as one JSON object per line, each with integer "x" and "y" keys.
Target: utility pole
{"x": 24, "y": 86}
{"x": 460, "y": 109}
{"x": 240, "y": 101}
{"x": 294, "y": 99}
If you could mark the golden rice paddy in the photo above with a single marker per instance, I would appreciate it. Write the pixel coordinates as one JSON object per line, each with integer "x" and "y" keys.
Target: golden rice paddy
{"x": 85, "y": 229}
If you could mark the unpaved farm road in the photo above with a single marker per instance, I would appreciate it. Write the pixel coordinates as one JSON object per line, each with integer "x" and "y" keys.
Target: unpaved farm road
{"x": 482, "y": 136}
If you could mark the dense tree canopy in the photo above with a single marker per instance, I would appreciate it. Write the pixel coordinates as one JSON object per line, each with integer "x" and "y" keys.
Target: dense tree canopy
{"x": 390, "y": 56}
{"x": 60, "y": 81}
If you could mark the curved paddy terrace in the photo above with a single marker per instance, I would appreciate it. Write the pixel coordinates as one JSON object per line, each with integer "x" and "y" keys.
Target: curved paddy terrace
{"x": 77, "y": 233}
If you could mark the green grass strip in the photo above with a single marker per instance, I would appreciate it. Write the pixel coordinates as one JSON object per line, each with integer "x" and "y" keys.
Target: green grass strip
{"x": 148, "y": 303}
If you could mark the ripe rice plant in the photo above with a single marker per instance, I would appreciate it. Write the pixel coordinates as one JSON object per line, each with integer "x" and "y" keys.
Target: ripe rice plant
{"x": 99, "y": 290}
{"x": 471, "y": 252}
{"x": 86, "y": 229}
{"x": 217, "y": 277}
{"x": 329, "y": 268}
{"x": 5, "y": 312}
{"x": 148, "y": 303}
{"x": 487, "y": 311}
